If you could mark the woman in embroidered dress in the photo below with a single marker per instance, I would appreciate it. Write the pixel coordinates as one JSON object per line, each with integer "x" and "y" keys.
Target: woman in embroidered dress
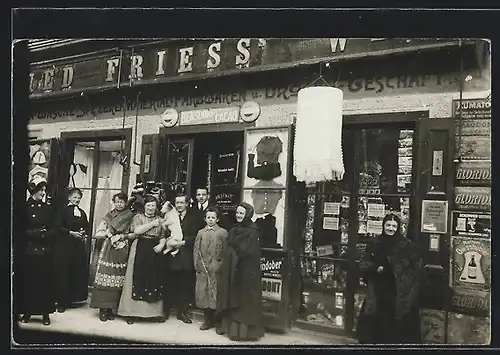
{"x": 112, "y": 262}
{"x": 71, "y": 253}
{"x": 142, "y": 288}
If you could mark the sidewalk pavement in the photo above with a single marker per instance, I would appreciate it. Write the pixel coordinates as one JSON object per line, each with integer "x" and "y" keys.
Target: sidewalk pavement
{"x": 84, "y": 321}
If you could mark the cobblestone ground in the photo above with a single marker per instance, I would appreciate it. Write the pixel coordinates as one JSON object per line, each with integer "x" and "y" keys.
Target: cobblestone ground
{"x": 84, "y": 321}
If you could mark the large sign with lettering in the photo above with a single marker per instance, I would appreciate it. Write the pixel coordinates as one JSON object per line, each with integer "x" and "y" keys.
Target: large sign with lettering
{"x": 471, "y": 263}
{"x": 472, "y": 198}
{"x": 472, "y": 108}
{"x": 173, "y": 60}
{"x": 474, "y": 147}
{"x": 473, "y": 173}
{"x": 220, "y": 95}
{"x": 468, "y": 224}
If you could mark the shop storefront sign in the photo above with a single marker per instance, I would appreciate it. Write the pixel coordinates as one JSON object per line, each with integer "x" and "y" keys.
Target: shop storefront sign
{"x": 170, "y": 117}
{"x": 207, "y": 116}
{"x": 471, "y": 263}
{"x": 434, "y": 216}
{"x": 472, "y": 108}
{"x": 474, "y": 147}
{"x": 177, "y": 60}
{"x": 155, "y": 103}
{"x": 472, "y": 198}
{"x": 272, "y": 277}
{"x": 468, "y": 224}
{"x": 472, "y": 302}
{"x": 473, "y": 127}
{"x": 249, "y": 111}
{"x": 473, "y": 173}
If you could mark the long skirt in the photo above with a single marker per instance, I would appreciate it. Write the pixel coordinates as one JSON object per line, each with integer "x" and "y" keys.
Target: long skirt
{"x": 110, "y": 275}
{"x": 129, "y": 307}
{"x": 35, "y": 292}
{"x": 71, "y": 272}
{"x": 239, "y": 331}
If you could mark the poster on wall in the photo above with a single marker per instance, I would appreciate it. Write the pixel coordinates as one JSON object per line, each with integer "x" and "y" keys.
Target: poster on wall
{"x": 472, "y": 108}
{"x": 474, "y": 147}
{"x": 473, "y": 127}
{"x": 272, "y": 277}
{"x": 266, "y": 158}
{"x": 472, "y": 198}
{"x": 269, "y": 214}
{"x": 434, "y": 216}
{"x": 472, "y": 302}
{"x": 471, "y": 224}
{"x": 471, "y": 263}
{"x": 473, "y": 173}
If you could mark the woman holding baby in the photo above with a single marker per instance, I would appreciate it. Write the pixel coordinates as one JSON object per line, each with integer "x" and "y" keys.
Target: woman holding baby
{"x": 142, "y": 292}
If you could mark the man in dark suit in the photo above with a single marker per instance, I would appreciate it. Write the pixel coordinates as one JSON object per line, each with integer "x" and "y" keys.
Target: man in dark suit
{"x": 203, "y": 202}
{"x": 180, "y": 279}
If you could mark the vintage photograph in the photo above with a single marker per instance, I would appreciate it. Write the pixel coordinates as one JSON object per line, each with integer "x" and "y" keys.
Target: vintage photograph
{"x": 255, "y": 191}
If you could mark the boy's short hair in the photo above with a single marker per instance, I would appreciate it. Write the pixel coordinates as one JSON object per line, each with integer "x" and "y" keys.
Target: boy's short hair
{"x": 213, "y": 209}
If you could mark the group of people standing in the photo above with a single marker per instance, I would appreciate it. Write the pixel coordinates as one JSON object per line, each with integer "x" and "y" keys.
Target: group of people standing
{"x": 170, "y": 256}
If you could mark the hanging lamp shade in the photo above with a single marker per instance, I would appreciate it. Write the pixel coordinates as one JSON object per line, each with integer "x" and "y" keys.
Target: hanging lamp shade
{"x": 318, "y": 135}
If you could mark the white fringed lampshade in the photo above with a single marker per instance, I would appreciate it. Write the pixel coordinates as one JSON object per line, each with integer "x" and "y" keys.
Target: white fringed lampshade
{"x": 318, "y": 135}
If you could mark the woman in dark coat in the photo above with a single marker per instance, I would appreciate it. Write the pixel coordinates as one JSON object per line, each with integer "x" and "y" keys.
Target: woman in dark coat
{"x": 239, "y": 298}
{"x": 391, "y": 268}
{"x": 70, "y": 253}
{"x": 35, "y": 295}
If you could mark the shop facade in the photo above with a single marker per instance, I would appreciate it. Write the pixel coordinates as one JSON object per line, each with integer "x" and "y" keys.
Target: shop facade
{"x": 207, "y": 113}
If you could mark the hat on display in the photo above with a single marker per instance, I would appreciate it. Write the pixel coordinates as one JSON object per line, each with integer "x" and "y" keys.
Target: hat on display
{"x": 39, "y": 158}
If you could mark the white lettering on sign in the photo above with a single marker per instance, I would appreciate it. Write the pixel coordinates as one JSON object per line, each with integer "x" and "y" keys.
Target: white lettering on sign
{"x": 32, "y": 79}
{"x": 213, "y": 52}
{"x": 185, "y": 63}
{"x": 136, "y": 67}
{"x": 243, "y": 58}
{"x": 271, "y": 265}
{"x": 49, "y": 79}
{"x": 271, "y": 289}
{"x": 67, "y": 77}
{"x": 160, "y": 63}
{"x": 112, "y": 64}
{"x": 222, "y": 115}
{"x": 338, "y": 43}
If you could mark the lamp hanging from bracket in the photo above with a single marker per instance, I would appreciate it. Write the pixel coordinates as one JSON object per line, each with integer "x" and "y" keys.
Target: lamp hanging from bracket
{"x": 318, "y": 135}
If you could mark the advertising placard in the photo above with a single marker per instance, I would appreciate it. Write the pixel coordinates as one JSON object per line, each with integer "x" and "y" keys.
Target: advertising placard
{"x": 272, "y": 277}
{"x": 471, "y": 263}
{"x": 473, "y": 173}
{"x": 472, "y": 302}
{"x": 434, "y": 216}
{"x": 467, "y": 224}
{"x": 472, "y": 198}
{"x": 472, "y": 108}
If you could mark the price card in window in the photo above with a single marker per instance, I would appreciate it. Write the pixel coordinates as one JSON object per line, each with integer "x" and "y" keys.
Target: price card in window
{"x": 332, "y": 208}
{"x": 374, "y": 227}
{"x": 376, "y": 210}
{"x": 331, "y": 223}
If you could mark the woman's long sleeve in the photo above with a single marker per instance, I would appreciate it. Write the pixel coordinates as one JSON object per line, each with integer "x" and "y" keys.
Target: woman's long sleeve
{"x": 245, "y": 244}
{"x": 367, "y": 266}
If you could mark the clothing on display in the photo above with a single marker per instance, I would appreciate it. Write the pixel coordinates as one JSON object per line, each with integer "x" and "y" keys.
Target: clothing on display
{"x": 268, "y": 150}
{"x": 269, "y": 231}
{"x": 39, "y": 158}
{"x": 266, "y": 201}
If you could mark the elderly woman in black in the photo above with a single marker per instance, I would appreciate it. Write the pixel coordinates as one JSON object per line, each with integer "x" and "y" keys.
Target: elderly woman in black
{"x": 35, "y": 270}
{"x": 391, "y": 268}
{"x": 239, "y": 302}
{"x": 70, "y": 252}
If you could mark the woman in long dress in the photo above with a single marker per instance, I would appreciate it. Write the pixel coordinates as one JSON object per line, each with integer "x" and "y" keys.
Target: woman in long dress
{"x": 391, "y": 268}
{"x": 35, "y": 269}
{"x": 143, "y": 285}
{"x": 71, "y": 253}
{"x": 239, "y": 302}
{"x": 112, "y": 263}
